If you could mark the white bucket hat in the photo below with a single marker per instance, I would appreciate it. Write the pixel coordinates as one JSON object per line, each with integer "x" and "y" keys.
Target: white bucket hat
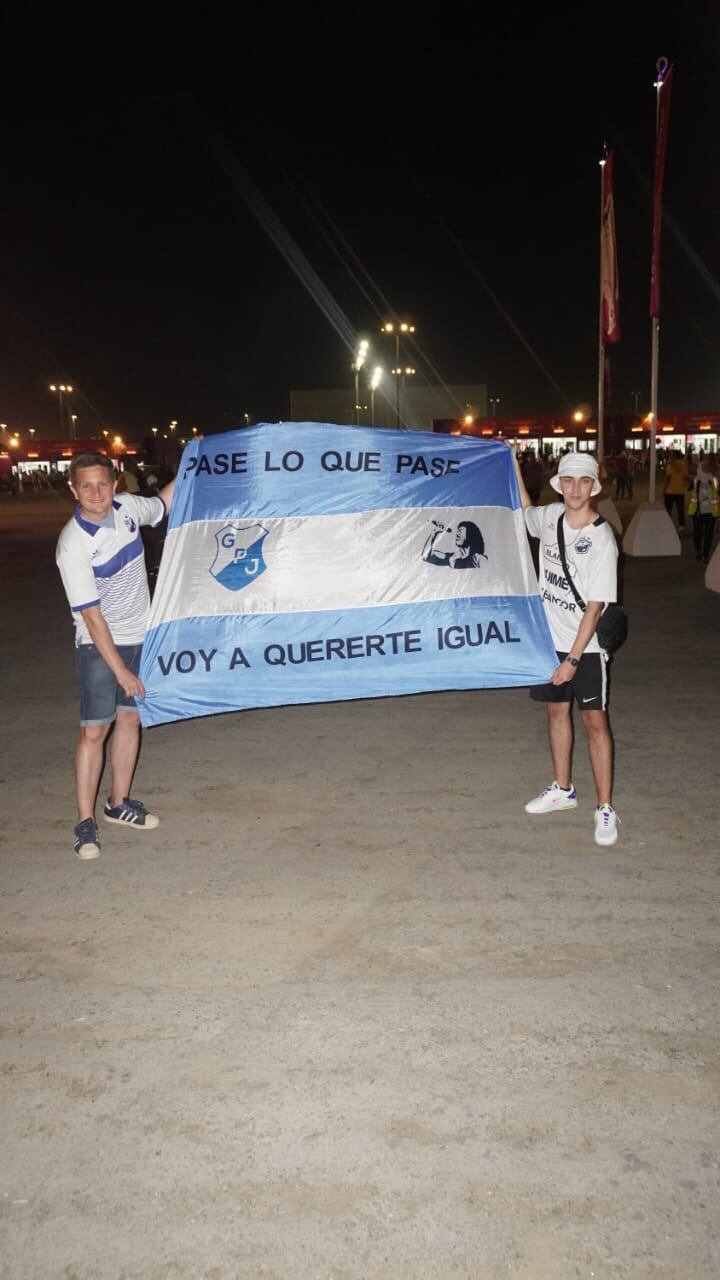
{"x": 577, "y": 464}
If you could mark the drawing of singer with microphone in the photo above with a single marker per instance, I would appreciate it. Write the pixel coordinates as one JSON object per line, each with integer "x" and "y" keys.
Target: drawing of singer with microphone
{"x": 468, "y": 550}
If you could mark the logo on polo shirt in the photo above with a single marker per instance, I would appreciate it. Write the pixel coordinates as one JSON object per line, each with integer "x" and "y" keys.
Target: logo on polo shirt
{"x": 583, "y": 545}
{"x": 129, "y": 522}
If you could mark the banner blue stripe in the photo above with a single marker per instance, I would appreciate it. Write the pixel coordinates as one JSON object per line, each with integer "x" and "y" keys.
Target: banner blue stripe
{"x": 306, "y": 468}
{"x": 203, "y": 665}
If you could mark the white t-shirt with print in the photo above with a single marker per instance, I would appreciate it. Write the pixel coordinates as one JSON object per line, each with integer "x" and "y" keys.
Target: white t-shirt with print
{"x": 591, "y": 554}
{"x": 105, "y": 564}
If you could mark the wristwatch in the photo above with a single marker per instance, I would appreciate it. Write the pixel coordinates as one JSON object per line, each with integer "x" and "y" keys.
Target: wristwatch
{"x": 573, "y": 661}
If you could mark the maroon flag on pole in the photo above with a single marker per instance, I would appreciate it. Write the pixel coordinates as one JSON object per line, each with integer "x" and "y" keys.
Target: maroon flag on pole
{"x": 608, "y": 258}
{"x": 661, "y": 132}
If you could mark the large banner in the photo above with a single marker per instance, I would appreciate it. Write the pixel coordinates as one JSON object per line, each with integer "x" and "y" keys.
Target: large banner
{"x": 312, "y": 563}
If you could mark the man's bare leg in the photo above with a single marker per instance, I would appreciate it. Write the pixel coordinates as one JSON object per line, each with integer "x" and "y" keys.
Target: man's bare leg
{"x": 124, "y": 748}
{"x": 88, "y": 767}
{"x": 560, "y": 732}
{"x": 600, "y": 746}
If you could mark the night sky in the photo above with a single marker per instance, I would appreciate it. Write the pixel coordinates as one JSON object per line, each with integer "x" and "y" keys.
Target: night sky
{"x": 444, "y": 171}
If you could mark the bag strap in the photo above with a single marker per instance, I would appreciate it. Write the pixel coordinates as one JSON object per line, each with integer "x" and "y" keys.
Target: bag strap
{"x": 563, "y": 561}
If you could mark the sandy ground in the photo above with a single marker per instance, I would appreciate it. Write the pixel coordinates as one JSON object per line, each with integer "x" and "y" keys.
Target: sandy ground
{"x": 349, "y": 1012}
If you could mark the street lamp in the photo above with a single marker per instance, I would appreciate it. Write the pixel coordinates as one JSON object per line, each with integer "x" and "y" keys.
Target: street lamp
{"x": 399, "y": 328}
{"x": 401, "y": 372}
{"x": 61, "y": 388}
{"x": 375, "y": 381}
{"x": 360, "y": 358}
{"x": 73, "y": 419}
{"x": 494, "y": 402}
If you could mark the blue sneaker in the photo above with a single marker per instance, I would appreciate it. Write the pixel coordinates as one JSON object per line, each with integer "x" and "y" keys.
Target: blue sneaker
{"x": 87, "y": 841}
{"x": 131, "y": 813}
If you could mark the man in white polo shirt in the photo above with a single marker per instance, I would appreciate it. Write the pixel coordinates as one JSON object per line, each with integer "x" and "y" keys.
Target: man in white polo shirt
{"x": 101, "y": 560}
{"x": 591, "y": 555}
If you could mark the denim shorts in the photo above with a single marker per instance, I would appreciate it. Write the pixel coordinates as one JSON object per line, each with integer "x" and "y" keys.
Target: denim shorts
{"x": 100, "y": 694}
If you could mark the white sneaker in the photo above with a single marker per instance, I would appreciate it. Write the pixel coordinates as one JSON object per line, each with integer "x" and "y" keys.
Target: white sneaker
{"x": 606, "y": 821}
{"x": 552, "y": 798}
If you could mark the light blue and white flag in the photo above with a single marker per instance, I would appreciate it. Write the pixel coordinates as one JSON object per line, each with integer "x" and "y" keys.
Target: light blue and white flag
{"x": 313, "y": 563}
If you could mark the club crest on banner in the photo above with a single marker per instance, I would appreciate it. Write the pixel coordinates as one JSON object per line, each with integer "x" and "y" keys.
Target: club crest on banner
{"x": 239, "y": 559}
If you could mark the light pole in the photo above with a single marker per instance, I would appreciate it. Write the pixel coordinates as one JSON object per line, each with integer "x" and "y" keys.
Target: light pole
{"x": 375, "y": 381}
{"x": 73, "y": 419}
{"x": 494, "y": 402}
{"x": 401, "y": 373}
{"x": 398, "y": 327}
{"x": 360, "y": 358}
{"x": 61, "y": 388}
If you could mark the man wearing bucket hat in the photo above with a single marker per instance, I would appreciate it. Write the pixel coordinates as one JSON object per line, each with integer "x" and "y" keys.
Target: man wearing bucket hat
{"x": 581, "y": 674}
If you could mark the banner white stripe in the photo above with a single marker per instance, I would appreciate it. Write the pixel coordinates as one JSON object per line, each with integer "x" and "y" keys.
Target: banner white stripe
{"x": 336, "y": 562}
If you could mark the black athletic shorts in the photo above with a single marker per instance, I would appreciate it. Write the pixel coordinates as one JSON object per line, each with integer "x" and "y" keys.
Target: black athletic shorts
{"x": 589, "y": 686}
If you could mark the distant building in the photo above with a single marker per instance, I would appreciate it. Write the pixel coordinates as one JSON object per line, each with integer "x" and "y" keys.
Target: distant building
{"x": 552, "y": 434}
{"x": 56, "y": 455}
{"x": 420, "y": 405}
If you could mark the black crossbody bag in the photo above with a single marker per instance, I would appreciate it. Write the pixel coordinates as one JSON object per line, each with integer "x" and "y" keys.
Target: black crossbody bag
{"x": 612, "y": 627}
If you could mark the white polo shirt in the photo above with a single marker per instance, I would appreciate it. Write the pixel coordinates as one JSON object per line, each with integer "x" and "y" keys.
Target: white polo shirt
{"x": 104, "y": 564}
{"x": 591, "y": 554}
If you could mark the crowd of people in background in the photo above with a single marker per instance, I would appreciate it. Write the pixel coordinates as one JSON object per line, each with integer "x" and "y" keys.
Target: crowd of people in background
{"x": 144, "y": 480}
{"x": 34, "y": 480}
{"x": 689, "y": 483}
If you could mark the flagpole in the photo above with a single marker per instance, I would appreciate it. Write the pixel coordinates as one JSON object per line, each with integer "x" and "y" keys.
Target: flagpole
{"x": 601, "y": 344}
{"x": 660, "y": 144}
{"x": 655, "y": 337}
{"x": 654, "y": 349}
{"x": 651, "y": 532}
